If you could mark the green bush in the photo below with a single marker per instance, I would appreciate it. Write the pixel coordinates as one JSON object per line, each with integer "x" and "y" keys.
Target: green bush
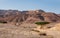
{"x": 41, "y": 23}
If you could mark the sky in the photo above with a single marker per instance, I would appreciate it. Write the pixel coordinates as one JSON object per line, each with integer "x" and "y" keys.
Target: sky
{"x": 46, "y": 5}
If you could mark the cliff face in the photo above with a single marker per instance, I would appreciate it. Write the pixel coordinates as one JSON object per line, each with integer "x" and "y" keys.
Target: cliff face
{"x": 30, "y": 16}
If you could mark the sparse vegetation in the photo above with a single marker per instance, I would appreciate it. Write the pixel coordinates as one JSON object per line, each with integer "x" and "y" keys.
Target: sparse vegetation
{"x": 35, "y": 30}
{"x": 43, "y": 34}
{"x": 42, "y": 23}
{"x": 3, "y": 22}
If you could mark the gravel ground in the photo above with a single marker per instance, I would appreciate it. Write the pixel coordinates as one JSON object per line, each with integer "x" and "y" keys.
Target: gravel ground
{"x": 12, "y": 31}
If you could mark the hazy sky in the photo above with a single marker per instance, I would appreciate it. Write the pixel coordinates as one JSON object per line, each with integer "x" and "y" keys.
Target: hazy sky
{"x": 46, "y": 5}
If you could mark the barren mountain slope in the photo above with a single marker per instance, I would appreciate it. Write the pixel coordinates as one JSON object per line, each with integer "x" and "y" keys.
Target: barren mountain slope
{"x": 30, "y": 16}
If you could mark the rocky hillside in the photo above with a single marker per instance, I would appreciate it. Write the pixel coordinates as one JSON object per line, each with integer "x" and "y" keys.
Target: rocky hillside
{"x": 58, "y": 14}
{"x": 29, "y": 16}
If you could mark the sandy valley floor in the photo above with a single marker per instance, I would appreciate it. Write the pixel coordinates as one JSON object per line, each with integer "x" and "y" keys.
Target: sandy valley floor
{"x": 28, "y": 31}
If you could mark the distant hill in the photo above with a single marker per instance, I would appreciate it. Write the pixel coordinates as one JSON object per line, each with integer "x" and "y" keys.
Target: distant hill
{"x": 29, "y": 16}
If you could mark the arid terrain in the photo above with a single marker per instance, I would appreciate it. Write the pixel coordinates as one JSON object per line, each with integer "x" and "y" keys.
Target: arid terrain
{"x": 21, "y": 24}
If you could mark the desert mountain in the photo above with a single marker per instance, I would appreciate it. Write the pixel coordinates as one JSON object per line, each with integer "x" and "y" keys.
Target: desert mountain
{"x": 29, "y": 16}
{"x": 58, "y": 14}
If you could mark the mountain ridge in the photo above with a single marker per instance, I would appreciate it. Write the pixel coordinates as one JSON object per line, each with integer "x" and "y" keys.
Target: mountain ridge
{"x": 30, "y": 16}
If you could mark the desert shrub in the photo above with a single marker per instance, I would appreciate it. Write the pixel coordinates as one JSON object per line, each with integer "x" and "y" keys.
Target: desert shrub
{"x": 43, "y": 34}
{"x": 35, "y": 30}
{"x": 41, "y": 23}
{"x": 3, "y": 22}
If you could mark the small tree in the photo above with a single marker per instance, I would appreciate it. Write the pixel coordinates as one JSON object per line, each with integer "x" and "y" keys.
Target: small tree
{"x": 42, "y": 23}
